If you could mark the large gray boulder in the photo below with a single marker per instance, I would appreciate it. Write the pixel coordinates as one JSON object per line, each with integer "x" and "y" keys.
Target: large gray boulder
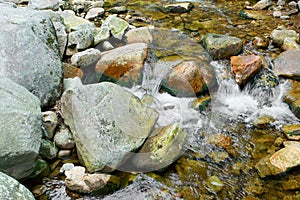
{"x": 20, "y": 129}
{"x": 10, "y": 189}
{"x": 30, "y": 53}
{"x": 107, "y": 122}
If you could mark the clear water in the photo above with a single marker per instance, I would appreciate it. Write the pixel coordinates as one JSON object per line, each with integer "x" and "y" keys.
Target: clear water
{"x": 232, "y": 113}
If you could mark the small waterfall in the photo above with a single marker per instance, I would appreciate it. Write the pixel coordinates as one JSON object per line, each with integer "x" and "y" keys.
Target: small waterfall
{"x": 249, "y": 104}
{"x": 171, "y": 109}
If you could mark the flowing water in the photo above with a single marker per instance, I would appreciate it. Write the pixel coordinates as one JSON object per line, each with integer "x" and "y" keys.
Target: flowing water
{"x": 233, "y": 113}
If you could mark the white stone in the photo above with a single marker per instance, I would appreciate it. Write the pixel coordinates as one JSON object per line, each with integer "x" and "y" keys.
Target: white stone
{"x": 86, "y": 57}
{"x": 276, "y": 14}
{"x": 106, "y": 46}
{"x": 79, "y": 181}
{"x": 44, "y": 4}
{"x": 66, "y": 167}
{"x": 94, "y": 12}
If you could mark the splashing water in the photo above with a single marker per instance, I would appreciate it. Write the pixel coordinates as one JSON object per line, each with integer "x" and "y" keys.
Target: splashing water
{"x": 248, "y": 105}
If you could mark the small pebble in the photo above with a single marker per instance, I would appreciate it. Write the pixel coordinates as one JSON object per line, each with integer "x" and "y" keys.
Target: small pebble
{"x": 292, "y": 5}
{"x": 64, "y": 153}
{"x": 276, "y": 14}
{"x": 39, "y": 190}
{"x": 247, "y": 3}
{"x": 284, "y": 17}
{"x": 66, "y": 167}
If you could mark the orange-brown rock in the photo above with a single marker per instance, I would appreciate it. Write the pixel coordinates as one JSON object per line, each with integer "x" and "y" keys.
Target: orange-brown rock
{"x": 219, "y": 140}
{"x": 244, "y": 67}
{"x": 123, "y": 65}
{"x": 70, "y": 71}
{"x": 185, "y": 79}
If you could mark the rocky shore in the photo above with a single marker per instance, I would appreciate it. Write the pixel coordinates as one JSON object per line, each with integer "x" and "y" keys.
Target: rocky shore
{"x": 68, "y": 75}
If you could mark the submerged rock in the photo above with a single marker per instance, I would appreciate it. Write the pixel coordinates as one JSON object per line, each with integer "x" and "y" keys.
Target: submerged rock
{"x": 177, "y": 7}
{"x": 222, "y": 46}
{"x": 249, "y": 14}
{"x": 201, "y": 103}
{"x": 266, "y": 80}
{"x": 144, "y": 187}
{"x": 30, "y": 53}
{"x": 123, "y": 65}
{"x": 280, "y": 161}
{"x": 288, "y": 157}
{"x": 12, "y": 189}
{"x": 214, "y": 184}
{"x": 244, "y": 67}
{"x": 220, "y": 140}
{"x": 292, "y": 131}
{"x": 264, "y": 121}
{"x": 107, "y": 122}
{"x": 79, "y": 181}
{"x": 161, "y": 149}
{"x": 20, "y": 129}
{"x": 292, "y": 98}
{"x": 265, "y": 168}
{"x": 287, "y": 64}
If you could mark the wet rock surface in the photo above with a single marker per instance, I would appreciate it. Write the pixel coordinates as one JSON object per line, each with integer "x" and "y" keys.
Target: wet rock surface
{"x": 233, "y": 132}
{"x": 292, "y": 98}
{"x": 244, "y": 67}
{"x": 161, "y": 149}
{"x": 222, "y": 46}
{"x": 185, "y": 79}
{"x": 144, "y": 187}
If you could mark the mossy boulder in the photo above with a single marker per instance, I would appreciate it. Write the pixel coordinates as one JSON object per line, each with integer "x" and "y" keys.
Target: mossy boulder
{"x": 107, "y": 122}
{"x": 161, "y": 149}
